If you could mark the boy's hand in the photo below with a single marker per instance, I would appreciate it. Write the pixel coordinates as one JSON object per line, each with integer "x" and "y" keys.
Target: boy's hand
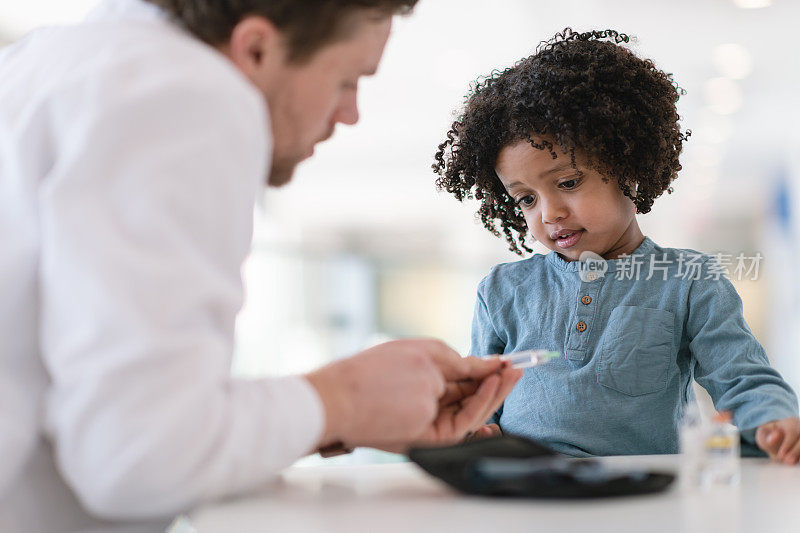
{"x": 781, "y": 440}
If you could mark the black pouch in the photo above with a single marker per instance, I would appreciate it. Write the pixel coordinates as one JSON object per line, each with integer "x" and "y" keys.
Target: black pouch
{"x": 514, "y": 466}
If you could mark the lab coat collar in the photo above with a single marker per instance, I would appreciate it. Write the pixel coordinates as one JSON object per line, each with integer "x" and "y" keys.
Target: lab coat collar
{"x": 128, "y": 9}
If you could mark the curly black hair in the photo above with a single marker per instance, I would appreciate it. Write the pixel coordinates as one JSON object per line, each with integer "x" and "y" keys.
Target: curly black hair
{"x": 580, "y": 90}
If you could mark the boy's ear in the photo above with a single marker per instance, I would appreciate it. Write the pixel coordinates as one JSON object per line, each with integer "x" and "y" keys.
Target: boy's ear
{"x": 256, "y": 45}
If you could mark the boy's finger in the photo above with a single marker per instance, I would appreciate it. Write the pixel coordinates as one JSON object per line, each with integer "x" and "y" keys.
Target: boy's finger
{"x": 794, "y": 454}
{"x": 768, "y": 438}
{"x": 773, "y": 439}
{"x": 789, "y": 438}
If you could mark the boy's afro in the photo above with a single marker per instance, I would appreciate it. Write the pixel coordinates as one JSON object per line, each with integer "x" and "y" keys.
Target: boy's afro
{"x": 582, "y": 90}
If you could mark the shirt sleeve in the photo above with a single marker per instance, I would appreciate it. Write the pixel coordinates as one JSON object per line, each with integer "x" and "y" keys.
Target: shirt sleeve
{"x": 146, "y": 218}
{"x": 484, "y": 339}
{"x": 730, "y": 363}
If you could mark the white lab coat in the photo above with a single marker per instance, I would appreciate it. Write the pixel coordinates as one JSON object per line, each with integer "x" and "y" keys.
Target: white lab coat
{"x": 131, "y": 155}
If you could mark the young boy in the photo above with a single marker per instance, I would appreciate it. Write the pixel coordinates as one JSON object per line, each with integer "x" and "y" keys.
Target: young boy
{"x": 569, "y": 145}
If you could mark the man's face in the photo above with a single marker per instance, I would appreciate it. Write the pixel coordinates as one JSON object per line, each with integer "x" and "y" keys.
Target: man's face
{"x": 307, "y": 100}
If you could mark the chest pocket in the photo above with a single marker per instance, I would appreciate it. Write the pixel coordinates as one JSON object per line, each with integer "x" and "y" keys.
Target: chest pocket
{"x": 636, "y": 350}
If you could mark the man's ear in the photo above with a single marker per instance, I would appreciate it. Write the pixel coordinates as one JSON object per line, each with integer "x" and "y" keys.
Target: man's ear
{"x": 255, "y": 45}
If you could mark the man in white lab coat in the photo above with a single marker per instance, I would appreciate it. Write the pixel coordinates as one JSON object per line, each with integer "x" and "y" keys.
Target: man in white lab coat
{"x": 132, "y": 148}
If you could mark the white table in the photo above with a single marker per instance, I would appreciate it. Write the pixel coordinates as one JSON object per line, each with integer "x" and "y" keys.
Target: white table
{"x": 401, "y": 497}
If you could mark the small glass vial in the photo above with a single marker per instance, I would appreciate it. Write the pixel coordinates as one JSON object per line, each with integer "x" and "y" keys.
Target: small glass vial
{"x": 721, "y": 462}
{"x": 692, "y": 440}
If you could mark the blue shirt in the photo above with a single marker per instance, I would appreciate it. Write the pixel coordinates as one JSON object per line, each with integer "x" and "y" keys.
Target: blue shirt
{"x": 630, "y": 348}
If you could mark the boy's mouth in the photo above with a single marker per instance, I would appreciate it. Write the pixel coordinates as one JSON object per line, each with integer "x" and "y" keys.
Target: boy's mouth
{"x": 567, "y": 238}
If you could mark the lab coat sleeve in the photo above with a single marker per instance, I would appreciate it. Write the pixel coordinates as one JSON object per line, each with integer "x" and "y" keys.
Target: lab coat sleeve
{"x": 145, "y": 221}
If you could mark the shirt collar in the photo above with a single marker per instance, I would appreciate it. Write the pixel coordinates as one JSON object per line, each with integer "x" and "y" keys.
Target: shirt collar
{"x": 572, "y": 266}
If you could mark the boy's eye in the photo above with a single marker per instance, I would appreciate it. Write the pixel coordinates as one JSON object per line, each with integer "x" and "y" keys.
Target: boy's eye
{"x": 527, "y": 200}
{"x": 570, "y": 184}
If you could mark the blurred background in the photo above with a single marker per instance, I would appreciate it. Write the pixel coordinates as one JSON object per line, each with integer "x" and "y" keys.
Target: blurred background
{"x": 360, "y": 248}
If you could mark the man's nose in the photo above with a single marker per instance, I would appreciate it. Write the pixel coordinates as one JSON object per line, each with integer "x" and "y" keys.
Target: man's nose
{"x": 347, "y": 112}
{"x": 552, "y": 210}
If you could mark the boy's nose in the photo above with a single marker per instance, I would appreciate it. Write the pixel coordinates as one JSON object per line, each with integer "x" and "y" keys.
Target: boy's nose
{"x": 552, "y": 211}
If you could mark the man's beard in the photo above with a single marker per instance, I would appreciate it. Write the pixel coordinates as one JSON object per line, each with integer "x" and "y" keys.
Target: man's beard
{"x": 281, "y": 172}
{"x": 283, "y": 167}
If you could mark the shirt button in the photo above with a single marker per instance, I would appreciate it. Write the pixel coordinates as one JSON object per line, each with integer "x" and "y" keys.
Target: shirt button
{"x": 586, "y": 300}
{"x": 581, "y": 326}
{"x": 591, "y": 276}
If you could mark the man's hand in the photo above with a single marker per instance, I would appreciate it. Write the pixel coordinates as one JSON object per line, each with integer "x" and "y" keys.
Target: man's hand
{"x": 467, "y": 403}
{"x": 781, "y": 440}
{"x": 411, "y": 391}
{"x": 487, "y": 431}
{"x": 389, "y": 391}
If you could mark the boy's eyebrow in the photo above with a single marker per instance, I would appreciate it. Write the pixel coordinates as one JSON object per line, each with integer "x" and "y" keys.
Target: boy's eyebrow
{"x": 559, "y": 168}
{"x": 555, "y": 169}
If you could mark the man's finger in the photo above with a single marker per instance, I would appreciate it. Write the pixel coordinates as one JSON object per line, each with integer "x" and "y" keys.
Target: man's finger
{"x": 458, "y": 390}
{"x": 474, "y": 407}
{"x": 509, "y": 378}
{"x": 437, "y": 382}
{"x": 491, "y": 430}
{"x": 481, "y": 367}
{"x": 484, "y": 432}
{"x": 454, "y": 367}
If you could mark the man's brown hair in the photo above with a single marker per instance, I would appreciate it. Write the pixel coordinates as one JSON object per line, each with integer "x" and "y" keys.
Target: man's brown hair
{"x": 308, "y": 24}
